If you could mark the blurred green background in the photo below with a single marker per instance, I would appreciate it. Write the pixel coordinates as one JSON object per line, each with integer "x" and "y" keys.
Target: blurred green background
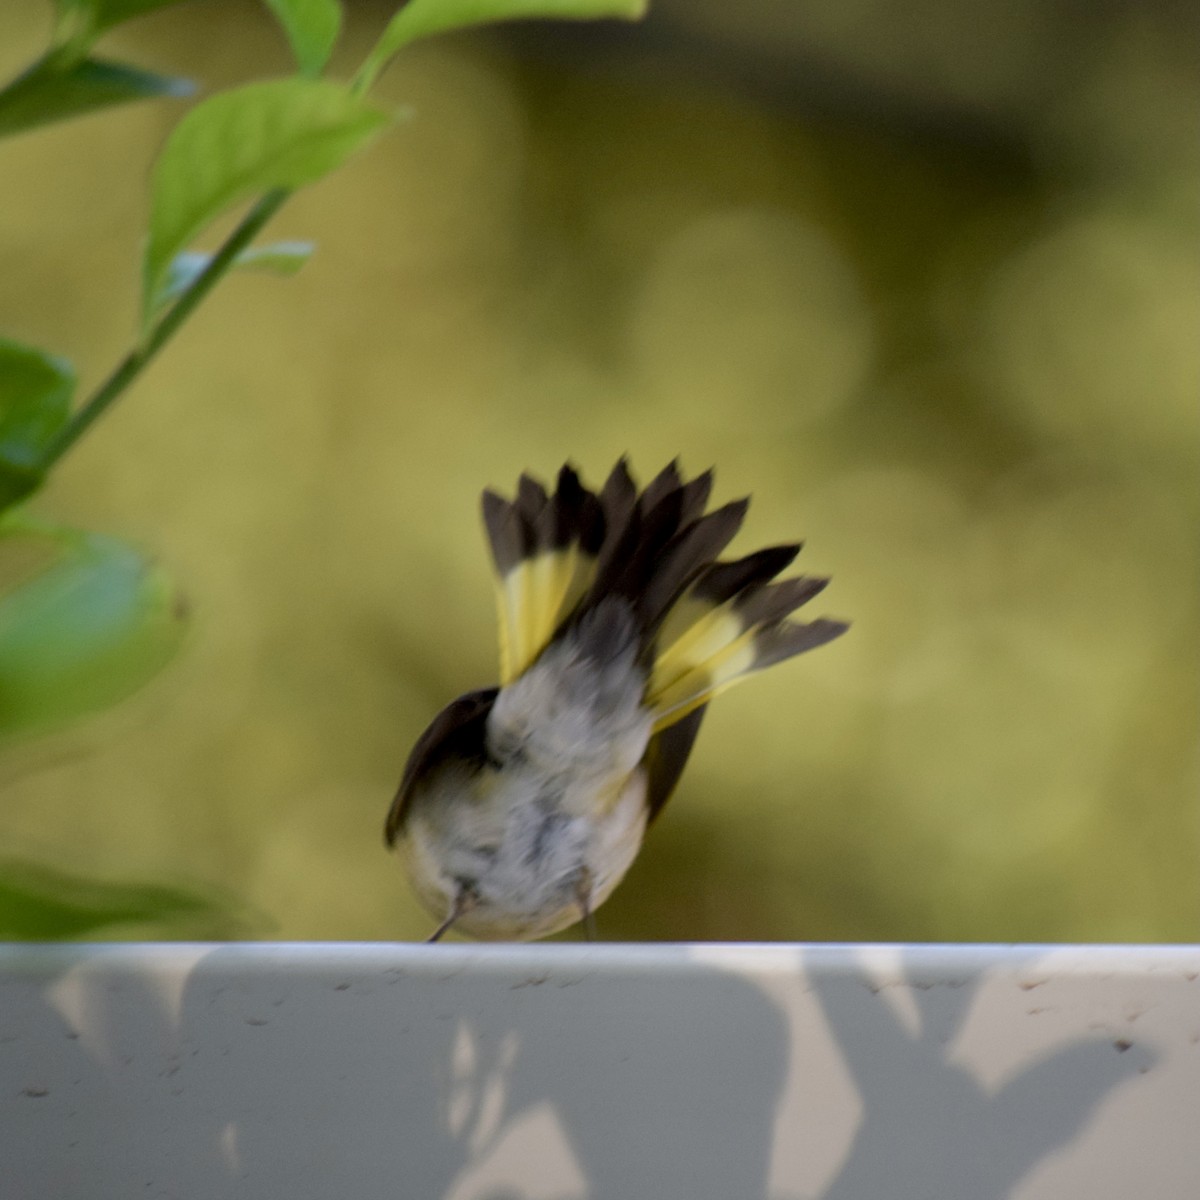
{"x": 921, "y": 278}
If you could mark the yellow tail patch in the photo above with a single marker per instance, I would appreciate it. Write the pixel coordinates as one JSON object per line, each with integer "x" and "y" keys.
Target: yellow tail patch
{"x": 706, "y": 646}
{"x": 703, "y": 650}
{"x": 533, "y": 599}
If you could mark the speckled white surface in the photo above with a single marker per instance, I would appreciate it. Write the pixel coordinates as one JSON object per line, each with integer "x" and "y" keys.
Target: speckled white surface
{"x": 453, "y": 1072}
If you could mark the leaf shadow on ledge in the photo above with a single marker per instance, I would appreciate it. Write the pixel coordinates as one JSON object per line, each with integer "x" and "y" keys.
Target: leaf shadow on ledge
{"x": 929, "y": 1126}
{"x": 324, "y": 1073}
{"x": 520, "y": 1073}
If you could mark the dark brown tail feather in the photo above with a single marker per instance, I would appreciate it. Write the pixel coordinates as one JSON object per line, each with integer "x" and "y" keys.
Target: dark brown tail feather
{"x": 723, "y": 580}
{"x": 774, "y": 643}
{"x": 577, "y": 514}
{"x": 506, "y": 532}
{"x": 695, "y": 496}
{"x": 693, "y": 549}
{"x": 764, "y": 604}
{"x": 666, "y": 481}
{"x": 622, "y": 522}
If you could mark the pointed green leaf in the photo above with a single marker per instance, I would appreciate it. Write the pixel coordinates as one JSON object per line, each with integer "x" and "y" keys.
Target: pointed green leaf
{"x": 41, "y": 903}
{"x": 312, "y": 28}
{"x": 424, "y": 18}
{"x": 53, "y": 91}
{"x": 84, "y": 621}
{"x": 278, "y": 258}
{"x": 280, "y": 134}
{"x": 35, "y": 400}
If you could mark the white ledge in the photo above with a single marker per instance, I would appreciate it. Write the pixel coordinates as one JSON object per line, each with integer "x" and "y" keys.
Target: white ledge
{"x": 600, "y": 1072}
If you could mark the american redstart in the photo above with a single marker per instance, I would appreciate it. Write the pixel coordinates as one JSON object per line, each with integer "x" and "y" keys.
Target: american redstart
{"x": 523, "y": 805}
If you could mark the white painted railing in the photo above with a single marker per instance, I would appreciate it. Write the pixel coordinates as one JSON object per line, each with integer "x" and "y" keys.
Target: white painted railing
{"x": 606, "y": 1072}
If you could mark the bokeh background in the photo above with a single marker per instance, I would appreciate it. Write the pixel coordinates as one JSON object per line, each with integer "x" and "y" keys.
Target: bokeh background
{"x": 922, "y": 278}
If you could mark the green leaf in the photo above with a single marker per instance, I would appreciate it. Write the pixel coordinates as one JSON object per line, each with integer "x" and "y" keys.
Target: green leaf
{"x": 35, "y": 401}
{"x": 278, "y": 258}
{"x": 312, "y": 29}
{"x": 41, "y": 903}
{"x": 83, "y": 21}
{"x": 424, "y": 18}
{"x": 280, "y": 134}
{"x": 52, "y": 90}
{"x": 85, "y": 620}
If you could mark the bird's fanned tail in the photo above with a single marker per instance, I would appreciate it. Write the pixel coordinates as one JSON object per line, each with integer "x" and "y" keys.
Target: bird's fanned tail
{"x": 703, "y": 623}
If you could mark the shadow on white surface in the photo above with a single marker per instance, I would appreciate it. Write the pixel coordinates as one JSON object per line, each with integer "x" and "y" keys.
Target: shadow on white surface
{"x": 594, "y": 1073}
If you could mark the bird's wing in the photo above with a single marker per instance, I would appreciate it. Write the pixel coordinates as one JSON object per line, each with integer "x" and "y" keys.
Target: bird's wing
{"x": 458, "y": 729}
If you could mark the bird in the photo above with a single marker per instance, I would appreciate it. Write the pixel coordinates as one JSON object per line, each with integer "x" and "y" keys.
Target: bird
{"x": 523, "y": 805}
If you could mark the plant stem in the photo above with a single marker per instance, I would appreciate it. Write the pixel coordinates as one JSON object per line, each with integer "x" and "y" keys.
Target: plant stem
{"x": 132, "y": 365}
